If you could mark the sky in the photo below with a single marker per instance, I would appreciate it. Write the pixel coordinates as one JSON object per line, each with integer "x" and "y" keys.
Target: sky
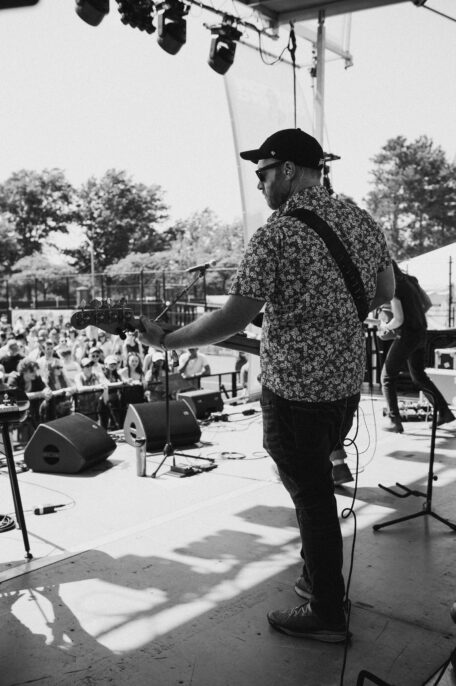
{"x": 86, "y": 99}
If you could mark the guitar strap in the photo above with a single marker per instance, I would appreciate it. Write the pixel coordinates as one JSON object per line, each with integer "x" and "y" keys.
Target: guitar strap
{"x": 338, "y": 251}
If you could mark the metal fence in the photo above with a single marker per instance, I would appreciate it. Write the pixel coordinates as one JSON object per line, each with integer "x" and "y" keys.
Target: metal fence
{"x": 140, "y": 287}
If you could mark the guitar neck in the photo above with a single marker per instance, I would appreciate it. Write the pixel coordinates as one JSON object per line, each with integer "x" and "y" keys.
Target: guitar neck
{"x": 116, "y": 320}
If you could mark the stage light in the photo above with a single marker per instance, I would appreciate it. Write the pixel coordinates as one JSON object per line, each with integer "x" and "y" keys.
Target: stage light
{"x": 223, "y": 45}
{"x": 92, "y": 11}
{"x": 172, "y": 25}
{"x": 138, "y": 14}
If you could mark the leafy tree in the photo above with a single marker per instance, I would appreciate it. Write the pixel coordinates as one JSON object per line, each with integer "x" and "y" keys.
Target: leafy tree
{"x": 414, "y": 196}
{"x": 36, "y": 203}
{"x": 8, "y": 244}
{"x": 203, "y": 237}
{"x": 38, "y": 269}
{"x": 119, "y": 217}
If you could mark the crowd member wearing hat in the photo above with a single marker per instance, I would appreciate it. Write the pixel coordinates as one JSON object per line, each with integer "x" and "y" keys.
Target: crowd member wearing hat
{"x": 312, "y": 354}
{"x": 96, "y": 355}
{"x": 90, "y": 390}
{"x": 111, "y": 411}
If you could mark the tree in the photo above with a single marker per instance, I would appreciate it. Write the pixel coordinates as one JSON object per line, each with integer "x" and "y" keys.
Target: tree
{"x": 414, "y": 196}
{"x": 36, "y": 203}
{"x": 38, "y": 270}
{"x": 203, "y": 237}
{"x": 8, "y": 244}
{"x": 118, "y": 217}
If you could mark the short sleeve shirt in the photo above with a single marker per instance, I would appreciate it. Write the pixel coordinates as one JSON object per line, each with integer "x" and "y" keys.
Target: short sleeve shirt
{"x": 313, "y": 345}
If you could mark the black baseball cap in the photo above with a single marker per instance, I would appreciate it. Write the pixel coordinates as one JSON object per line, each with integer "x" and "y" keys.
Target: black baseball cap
{"x": 292, "y": 145}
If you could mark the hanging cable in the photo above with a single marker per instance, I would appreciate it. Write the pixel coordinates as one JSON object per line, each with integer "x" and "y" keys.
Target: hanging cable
{"x": 431, "y": 9}
{"x": 292, "y": 50}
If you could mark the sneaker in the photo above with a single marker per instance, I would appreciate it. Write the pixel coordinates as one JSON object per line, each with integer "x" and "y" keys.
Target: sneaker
{"x": 303, "y": 623}
{"x": 302, "y": 587}
{"x": 393, "y": 423}
{"x": 445, "y": 417}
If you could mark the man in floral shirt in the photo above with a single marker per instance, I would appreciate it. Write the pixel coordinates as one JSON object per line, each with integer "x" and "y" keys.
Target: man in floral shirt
{"x": 312, "y": 354}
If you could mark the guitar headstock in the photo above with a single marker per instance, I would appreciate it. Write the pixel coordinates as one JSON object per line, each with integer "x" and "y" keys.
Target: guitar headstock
{"x": 113, "y": 318}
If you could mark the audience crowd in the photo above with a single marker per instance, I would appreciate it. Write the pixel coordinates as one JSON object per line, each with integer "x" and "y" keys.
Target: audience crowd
{"x": 63, "y": 370}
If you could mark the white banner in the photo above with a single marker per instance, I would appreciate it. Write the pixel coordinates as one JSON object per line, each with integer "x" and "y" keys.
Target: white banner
{"x": 260, "y": 100}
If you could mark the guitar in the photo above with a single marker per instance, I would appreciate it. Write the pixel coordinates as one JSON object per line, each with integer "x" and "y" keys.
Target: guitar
{"x": 118, "y": 319}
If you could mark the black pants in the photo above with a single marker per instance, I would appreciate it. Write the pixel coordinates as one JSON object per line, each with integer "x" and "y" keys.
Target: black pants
{"x": 300, "y": 436}
{"x": 410, "y": 349}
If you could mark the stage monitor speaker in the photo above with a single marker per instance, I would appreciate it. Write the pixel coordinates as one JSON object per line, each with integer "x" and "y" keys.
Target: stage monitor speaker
{"x": 202, "y": 402}
{"x": 148, "y": 420}
{"x": 68, "y": 445}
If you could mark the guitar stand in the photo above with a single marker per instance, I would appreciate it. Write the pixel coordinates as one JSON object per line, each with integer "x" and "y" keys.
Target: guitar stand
{"x": 15, "y": 488}
{"x": 427, "y": 506}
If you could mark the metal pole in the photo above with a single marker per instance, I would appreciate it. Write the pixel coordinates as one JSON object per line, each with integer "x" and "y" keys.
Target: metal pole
{"x": 141, "y": 290}
{"x": 319, "y": 100}
{"x": 450, "y": 293}
{"x": 92, "y": 267}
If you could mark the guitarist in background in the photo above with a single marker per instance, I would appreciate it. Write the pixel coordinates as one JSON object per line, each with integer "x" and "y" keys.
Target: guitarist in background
{"x": 409, "y": 347}
{"x": 312, "y": 354}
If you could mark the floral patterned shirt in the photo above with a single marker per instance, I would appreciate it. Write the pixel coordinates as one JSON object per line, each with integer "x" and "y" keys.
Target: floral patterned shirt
{"x": 313, "y": 345}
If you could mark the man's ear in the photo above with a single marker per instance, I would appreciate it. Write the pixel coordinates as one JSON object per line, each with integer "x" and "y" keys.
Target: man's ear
{"x": 289, "y": 169}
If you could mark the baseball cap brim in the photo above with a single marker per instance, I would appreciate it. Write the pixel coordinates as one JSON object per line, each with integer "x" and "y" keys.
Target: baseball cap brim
{"x": 252, "y": 155}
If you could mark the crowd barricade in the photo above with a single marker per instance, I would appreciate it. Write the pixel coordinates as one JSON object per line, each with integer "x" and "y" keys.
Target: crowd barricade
{"x": 110, "y": 411}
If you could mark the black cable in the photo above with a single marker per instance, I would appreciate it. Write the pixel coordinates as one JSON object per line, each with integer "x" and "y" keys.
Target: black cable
{"x": 292, "y": 50}
{"x": 6, "y": 523}
{"x": 260, "y": 50}
{"x": 346, "y": 512}
{"x": 431, "y": 9}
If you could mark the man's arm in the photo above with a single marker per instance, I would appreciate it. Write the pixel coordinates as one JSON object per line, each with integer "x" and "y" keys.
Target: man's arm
{"x": 384, "y": 290}
{"x": 213, "y": 327}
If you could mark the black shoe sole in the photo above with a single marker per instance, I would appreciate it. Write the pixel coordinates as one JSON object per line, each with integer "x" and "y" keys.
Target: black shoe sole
{"x": 323, "y": 635}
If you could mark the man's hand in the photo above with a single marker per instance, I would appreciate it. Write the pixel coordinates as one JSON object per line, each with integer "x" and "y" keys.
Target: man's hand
{"x": 150, "y": 333}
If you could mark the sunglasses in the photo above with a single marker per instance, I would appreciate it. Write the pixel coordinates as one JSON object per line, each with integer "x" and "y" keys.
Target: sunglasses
{"x": 260, "y": 172}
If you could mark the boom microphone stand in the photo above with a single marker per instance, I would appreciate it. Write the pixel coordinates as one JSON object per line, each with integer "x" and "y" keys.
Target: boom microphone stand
{"x": 168, "y": 450}
{"x": 13, "y": 408}
{"x": 427, "y": 506}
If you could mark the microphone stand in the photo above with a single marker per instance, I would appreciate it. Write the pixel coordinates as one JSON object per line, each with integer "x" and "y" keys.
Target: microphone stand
{"x": 168, "y": 450}
{"x": 406, "y": 492}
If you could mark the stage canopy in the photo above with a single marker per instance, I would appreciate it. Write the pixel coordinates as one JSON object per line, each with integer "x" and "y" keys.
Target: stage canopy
{"x": 283, "y": 11}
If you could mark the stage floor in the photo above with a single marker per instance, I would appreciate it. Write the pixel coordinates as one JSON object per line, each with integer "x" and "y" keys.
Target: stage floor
{"x": 168, "y": 581}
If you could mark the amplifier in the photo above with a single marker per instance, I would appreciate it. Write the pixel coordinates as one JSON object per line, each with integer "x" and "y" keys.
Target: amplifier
{"x": 202, "y": 403}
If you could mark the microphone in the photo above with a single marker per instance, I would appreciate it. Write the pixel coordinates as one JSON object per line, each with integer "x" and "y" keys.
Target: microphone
{"x": 201, "y": 267}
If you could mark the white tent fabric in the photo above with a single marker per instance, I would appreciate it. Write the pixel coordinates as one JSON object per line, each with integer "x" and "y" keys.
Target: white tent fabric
{"x": 433, "y": 270}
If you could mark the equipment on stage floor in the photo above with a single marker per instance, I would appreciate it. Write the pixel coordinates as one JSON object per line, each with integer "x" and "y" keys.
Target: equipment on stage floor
{"x": 202, "y": 402}
{"x": 340, "y": 470}
{"x": 413, "y": 411}
{"x": 148, "y": 421}
{"x": 68, "y": 445}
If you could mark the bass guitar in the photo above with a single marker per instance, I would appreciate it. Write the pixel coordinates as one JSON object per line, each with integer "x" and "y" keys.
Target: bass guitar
{"x": 116, "y": 319}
